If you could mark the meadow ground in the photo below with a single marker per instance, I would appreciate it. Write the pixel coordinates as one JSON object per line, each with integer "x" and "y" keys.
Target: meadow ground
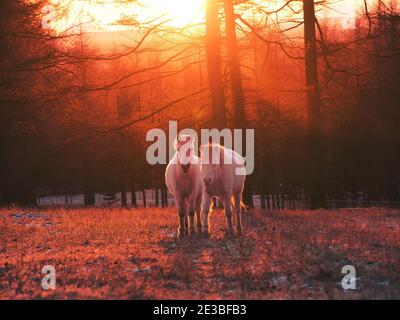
{"x": 134, "y": 254}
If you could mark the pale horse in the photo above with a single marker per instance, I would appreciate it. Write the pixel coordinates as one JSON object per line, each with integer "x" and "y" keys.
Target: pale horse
{"x": 182, "y": 177}
{"x": 223, "y": 175}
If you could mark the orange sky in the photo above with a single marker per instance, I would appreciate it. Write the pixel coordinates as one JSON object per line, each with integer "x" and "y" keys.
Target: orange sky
{"x": 104, "y": 15}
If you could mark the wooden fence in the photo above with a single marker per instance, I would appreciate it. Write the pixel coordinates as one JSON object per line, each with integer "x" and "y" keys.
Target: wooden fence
{"x": 275, "y": 201}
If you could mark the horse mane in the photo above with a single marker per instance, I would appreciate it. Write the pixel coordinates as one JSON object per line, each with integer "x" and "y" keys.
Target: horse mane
{"x": 216, "y": 147}
{"x": 212, "y": 146}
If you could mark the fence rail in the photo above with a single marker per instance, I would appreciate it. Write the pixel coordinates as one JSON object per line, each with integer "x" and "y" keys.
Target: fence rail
{"x": 267, "y": 202}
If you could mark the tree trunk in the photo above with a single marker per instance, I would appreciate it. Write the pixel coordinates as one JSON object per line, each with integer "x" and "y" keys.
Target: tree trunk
{"x": 88, "y": 192}
{"x": 239, "y": 115}
{"x": 156, "y": 197}
{"x": 89, "y": 197}
{"x": 315, "y": 178}
{"x": 213, "y": 50}
{"x": 262, "y": 201}
{"x": 124, "y": 202}
{"x": 165, "y": 197}
{"x": 88, "y": 188}
{"x": 162, "y": 197}
{"x": 144, "y": 197}
{"x": 133, "y": 198}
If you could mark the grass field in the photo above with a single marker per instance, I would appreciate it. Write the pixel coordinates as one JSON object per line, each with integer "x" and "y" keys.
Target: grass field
{"x": 134, "y": 254}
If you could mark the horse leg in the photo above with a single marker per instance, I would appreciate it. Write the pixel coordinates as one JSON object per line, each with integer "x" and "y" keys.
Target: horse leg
{"x": 192, "y": 231}
{"x": 198, "y": 214}
{"x": 186, "y": 224}
{"x": 238, "y": 211}
{"x": 205, "y": 208}
{"x": 182, "y": 217}
{"x": 228, "y": 216}
{"x": 191, "y": 209}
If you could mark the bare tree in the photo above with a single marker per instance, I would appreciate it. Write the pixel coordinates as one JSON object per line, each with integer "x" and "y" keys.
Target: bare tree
{"x": 239, "y": 114}
{"x": 315, "y": 172}
{"x": 213, "y": 52}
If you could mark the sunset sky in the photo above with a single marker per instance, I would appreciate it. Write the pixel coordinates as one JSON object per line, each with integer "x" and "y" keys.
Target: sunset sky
{"x": 99, "y": 15}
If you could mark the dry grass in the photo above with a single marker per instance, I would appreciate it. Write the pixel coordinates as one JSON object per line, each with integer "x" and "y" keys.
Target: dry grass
{"x": 134, "y": 254}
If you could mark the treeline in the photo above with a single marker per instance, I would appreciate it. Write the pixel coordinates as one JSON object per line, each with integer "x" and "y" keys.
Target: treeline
{"x": 75, "y": 107}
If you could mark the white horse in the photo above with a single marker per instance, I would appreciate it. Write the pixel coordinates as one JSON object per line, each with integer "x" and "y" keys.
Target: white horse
{"x": 183, "y": 181}
{"x": 223, "y": 175}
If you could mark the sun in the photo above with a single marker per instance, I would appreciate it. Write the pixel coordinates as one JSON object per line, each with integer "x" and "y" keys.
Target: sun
{"x": 181, "y": 12}
{"x": 108, "y": 15}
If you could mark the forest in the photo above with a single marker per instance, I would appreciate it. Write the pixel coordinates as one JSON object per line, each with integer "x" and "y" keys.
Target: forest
{"x": 81, "y": 82}
{"x": 84, "y": 214}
